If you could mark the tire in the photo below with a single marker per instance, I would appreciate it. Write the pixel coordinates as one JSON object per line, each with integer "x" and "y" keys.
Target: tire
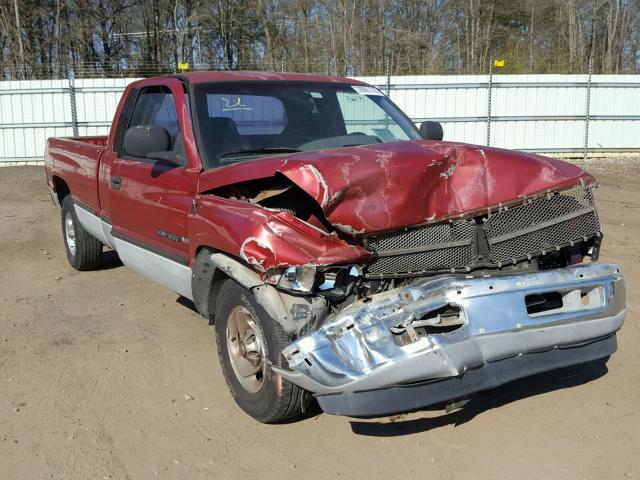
{"x": 83, "y": 250}
{"x": 265, "y": 396}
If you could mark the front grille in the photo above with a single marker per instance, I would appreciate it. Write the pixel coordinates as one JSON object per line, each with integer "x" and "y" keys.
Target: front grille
{"x": 541, "y": 225}
{"x": 433, "y": 247}
{"x": 536, "y": 226}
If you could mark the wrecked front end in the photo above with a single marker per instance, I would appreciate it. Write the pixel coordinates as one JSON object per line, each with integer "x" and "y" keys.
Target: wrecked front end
{"x": 445, "y": 337}
{"x": 525, "y": 296}
{"x": 392, "y": 318}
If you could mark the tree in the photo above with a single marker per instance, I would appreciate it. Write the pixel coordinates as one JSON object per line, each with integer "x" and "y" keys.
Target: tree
{"x": 43, "y": 38}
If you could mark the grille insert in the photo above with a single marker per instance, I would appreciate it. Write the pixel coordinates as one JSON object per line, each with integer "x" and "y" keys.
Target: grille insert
{"x": 536, "y": 226}
{"x": 434, "y": 247}
{"x": 542, "y": 224}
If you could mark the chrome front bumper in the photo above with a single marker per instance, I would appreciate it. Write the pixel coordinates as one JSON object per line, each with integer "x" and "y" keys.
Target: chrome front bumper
{"x": 355, "y": 351}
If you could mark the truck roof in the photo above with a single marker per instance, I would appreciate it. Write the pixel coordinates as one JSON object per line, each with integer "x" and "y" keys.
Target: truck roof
{"x": 234, "y": 76}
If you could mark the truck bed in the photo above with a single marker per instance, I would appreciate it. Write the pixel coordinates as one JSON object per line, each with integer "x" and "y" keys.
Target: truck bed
{"x": 76, "y": 159}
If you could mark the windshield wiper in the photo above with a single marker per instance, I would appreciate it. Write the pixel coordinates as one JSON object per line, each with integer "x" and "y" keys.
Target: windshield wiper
{"x": 259, "y": 150}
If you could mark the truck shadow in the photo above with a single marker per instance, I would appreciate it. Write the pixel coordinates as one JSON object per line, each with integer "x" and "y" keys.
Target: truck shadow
{"x": 520, "y": 389}
{"x": 186, "y": 303}
{"x": 109, "y": 260}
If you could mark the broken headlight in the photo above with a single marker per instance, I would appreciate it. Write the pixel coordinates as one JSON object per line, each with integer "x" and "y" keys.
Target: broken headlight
{"x": 297, "y": 279}
{"x": 330, "y": 281}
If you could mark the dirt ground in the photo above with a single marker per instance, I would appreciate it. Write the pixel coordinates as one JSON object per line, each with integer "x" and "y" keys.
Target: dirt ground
{"x": 105, "y": 375}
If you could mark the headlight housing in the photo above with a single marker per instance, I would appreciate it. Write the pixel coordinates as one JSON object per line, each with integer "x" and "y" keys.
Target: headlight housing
{"x": 307, "y": 279}
{"x": 298, "y": 279}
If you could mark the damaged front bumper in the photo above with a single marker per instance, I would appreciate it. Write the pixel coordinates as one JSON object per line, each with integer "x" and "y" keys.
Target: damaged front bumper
{"x": 355, "y": 365}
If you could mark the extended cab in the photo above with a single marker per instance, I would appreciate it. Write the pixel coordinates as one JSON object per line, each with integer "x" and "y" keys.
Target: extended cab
{"x": 338, "y": 252}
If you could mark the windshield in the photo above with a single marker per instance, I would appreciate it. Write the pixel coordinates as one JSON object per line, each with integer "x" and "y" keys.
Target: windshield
{"x": 240, "y": 121}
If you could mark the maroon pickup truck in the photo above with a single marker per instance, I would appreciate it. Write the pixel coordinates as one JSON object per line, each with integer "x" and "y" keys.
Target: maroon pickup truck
{"x": 341, "y": 252}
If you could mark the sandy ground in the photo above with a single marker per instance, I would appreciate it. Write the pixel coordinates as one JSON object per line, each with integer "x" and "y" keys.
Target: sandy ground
{"x": 106, "y": 375}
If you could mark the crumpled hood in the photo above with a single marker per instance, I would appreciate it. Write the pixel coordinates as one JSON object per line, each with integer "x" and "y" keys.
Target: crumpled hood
{"x": 381, "y": 187}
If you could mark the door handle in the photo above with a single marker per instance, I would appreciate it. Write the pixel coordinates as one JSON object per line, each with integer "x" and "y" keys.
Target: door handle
{"x": 116, "y": 182}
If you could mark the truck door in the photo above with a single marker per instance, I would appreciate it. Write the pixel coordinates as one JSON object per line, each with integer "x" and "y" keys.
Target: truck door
{"x": 150, "y": 198}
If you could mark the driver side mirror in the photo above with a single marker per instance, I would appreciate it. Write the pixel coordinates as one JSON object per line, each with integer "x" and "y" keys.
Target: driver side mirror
{"x": 150, "y": 141}
{"x": 431, "y": 130}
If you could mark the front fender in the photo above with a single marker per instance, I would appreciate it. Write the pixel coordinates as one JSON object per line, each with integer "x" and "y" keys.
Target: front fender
{"x": 266, "y": 239}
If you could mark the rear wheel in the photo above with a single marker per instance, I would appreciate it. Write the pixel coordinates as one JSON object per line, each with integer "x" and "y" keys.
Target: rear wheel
{"x": 248, "y": 341}
{"x": 83, "y": 250}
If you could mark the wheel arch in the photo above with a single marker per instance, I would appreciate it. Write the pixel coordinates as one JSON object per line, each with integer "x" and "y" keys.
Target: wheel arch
{"x": 211, "y": 267}
{"x": 61, "y": 188}
{"x": 206, "y": 281}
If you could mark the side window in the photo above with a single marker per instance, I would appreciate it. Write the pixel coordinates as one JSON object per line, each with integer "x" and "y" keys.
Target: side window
{"x": 123, "y": 122}
{"x": 155, "y": 106}
{"x": 362, "y": 114}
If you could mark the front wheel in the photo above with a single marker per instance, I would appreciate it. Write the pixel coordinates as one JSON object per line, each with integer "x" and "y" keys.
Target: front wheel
{"x": 248, "y": 338}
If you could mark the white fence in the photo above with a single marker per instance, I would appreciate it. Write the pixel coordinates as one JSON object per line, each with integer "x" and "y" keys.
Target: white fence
{"x": 33, "y": 110}
{"x": 541, "y": 113}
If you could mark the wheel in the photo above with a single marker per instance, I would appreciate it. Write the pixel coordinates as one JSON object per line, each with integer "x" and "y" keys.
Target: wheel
{"x": 83, "y": 250}
{"x": 247, "y": 336}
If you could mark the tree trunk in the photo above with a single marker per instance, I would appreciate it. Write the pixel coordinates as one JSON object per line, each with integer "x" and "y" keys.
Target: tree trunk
{"x": 21, "y": 68}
